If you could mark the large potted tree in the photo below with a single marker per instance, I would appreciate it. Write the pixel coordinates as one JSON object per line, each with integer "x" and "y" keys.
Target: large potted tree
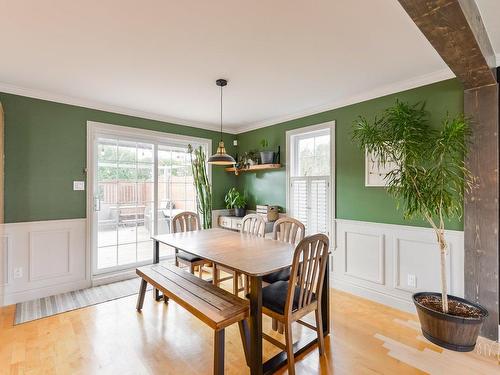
{"x": 428, "y": 181}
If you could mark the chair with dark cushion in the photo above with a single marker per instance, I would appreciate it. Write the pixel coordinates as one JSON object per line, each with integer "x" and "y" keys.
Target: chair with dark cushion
{"x": 286, "y": 229}
{"x": 289, "y": 230}
{"x": 186, "y": 222}
{"x": 289, "y": 301}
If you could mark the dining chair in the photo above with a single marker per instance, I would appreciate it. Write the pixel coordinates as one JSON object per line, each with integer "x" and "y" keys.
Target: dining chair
{"x": 289, "y": 301}
{"x": 185, "y": 222}
{"x": 252, "y": 224}
{"x": 292, "y": 231}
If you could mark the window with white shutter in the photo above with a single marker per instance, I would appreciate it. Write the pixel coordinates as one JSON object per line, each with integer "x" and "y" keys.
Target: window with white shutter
{"x": 309, "y": 173}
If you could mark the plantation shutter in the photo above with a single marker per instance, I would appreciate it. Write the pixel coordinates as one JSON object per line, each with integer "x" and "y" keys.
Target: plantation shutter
{"x": 319, "y": 205}
{"x": 299, "y": 201}
{"x": 309, "y": 202}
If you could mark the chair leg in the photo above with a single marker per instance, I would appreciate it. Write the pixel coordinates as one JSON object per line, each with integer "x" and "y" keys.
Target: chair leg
{"x": 142, "y": 293}
{"x": 281, "y": 327}
{"x": 319, "y": 330}
{"x": 219, "y": 352}
{"x": 235, "y": 283}
{"x": 289, "y": 348}
{"x": 247, "y": 285}
{"x": 245, "y": 337}
{"x": 215, "y": 275}
{"x": 176, "y": 259}
{"x": 191, "y": 268}
{"x": 200, "y": 271}
{"x": 275, "y": 324}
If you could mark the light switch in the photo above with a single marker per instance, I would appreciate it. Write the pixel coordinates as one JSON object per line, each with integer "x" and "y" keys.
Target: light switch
{"x": 78, "y": 185}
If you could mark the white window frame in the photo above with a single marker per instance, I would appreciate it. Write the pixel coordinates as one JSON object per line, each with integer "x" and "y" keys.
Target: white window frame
{"x": 99, "y": 129}
{"x": 291, "y": 136}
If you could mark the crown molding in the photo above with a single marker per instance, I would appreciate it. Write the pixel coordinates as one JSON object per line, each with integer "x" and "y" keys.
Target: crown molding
{"x": 392, "y": 88}
{"x": 45, "y": 95}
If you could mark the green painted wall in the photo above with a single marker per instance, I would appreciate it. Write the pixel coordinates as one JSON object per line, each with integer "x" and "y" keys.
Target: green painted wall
{"x": 45, "y": 150}
{"x": 353, "y": 200}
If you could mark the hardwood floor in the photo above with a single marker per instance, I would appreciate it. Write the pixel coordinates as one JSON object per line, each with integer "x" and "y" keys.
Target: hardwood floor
{"x": 112, "y": 338}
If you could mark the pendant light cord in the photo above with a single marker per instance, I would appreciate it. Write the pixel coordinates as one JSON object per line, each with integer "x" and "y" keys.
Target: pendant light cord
{"x": 221, "y": 113}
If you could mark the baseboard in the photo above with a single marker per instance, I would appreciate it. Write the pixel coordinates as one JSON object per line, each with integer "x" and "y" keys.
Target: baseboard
{"x": 374, "y": 295}
{"x": 28, "y": 295}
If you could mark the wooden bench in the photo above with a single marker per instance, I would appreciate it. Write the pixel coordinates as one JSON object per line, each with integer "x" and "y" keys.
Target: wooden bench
{"x": 212, "y": 305}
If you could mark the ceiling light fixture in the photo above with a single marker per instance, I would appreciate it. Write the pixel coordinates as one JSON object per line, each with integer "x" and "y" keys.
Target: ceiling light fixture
{"x": 221, "y": 157}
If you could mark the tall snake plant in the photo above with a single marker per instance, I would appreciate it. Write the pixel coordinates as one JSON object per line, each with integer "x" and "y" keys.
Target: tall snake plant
{"x": 202, "y": 185}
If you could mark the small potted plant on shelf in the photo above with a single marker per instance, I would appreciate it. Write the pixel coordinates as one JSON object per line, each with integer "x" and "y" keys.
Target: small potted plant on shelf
{"x": 266, "y": 156}
{"x": 234, "y": 199}
{"x": 429, "y": 180}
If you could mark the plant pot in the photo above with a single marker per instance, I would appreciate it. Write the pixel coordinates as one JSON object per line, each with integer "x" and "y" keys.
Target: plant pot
{"x": 449, "y": 331}
{"x": 267, "y": 157}
{"x": 240, "y": 212}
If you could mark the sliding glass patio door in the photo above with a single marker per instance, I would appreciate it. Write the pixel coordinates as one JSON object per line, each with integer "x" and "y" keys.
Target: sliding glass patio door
{"x": 139, "y": 184}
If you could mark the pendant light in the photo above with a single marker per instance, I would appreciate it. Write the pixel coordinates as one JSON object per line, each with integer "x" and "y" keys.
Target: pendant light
{"x": 221, "y": 157}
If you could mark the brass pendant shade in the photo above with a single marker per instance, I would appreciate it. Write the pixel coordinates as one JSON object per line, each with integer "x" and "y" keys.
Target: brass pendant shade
{"x": 221, "y": 157}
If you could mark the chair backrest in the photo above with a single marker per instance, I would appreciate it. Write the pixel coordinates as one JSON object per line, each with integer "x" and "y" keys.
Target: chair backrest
{"x": 288, "y": 229}
{"x": 253, "y": 224}
{"x": 308, "y": 271}
{"x": 185, "y": 222}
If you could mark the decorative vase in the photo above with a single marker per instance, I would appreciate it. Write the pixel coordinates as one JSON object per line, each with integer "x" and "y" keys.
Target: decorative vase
{"x": 239, "y": 212}
{"x": 267, "y": 157}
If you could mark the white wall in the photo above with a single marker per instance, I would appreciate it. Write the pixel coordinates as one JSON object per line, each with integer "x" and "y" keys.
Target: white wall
{"x": 51, "y": 256}
{"x": 374, "y": 260}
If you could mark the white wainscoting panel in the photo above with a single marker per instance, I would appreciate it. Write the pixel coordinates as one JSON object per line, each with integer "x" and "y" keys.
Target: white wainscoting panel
{"x": 374, "y": 260}
{"x": 42, "y": 258}
{"x": 4, "y": 261}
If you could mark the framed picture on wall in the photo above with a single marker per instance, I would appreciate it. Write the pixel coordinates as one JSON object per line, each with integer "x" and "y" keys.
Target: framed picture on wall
{"x": 376, "y": 171}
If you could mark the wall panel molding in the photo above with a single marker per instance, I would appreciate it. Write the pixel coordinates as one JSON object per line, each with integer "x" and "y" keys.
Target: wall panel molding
{"x": 378, "y": 253}
{"x": 50, "y": 258}
{"x": 385, "y": 254}
{"x": 49, "y": 254}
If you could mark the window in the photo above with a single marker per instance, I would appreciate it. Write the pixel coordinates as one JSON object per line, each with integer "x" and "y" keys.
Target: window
{"x": 309, "y": 176}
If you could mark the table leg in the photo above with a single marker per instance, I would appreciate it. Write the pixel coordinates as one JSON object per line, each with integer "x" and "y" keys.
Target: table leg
{"x": 156, "y": 259}
{"x": 255, "y": 325}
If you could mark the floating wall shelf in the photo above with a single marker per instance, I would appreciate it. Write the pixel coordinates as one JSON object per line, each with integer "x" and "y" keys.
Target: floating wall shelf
{"x": 255, "y": 168}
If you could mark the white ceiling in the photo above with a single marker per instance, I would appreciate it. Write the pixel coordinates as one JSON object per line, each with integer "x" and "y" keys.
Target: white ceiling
{"x": 160, "y": 59}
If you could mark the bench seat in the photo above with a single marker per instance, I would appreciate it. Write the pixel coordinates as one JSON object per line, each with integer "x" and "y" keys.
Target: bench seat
{"x": 214, "y": 306}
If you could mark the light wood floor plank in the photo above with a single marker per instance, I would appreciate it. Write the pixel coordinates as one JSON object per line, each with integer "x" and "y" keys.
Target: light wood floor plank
{"x": 112, "y": 338}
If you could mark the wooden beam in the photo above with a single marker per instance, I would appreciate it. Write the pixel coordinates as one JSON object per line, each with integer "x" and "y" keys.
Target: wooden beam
{"x": 456, "y": 31}
{"x": 445, "y": 23}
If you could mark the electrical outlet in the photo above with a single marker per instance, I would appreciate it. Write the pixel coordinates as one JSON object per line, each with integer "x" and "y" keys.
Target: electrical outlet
{"x": 412, "y": 281}
{"x": 18, "y": 272}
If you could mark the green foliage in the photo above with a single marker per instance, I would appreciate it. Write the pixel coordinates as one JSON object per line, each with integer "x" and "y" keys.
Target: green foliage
{"x": 202, "y": 185}
{"x": 430, "y": 174}
{"x": 264, "y": 143}
{"x": 234, "y": 199}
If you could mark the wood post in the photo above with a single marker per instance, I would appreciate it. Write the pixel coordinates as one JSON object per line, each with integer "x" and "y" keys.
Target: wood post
{"x": 455, "y": 29}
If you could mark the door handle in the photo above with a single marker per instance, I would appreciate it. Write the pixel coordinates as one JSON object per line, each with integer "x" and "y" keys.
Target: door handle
{"x": 97, "y": 204}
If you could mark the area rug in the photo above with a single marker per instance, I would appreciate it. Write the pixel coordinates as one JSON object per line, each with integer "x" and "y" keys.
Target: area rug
{"x": 48, "y": 306}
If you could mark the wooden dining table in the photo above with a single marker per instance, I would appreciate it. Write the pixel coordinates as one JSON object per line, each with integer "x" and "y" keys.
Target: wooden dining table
{"x": 252, "y": 256}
